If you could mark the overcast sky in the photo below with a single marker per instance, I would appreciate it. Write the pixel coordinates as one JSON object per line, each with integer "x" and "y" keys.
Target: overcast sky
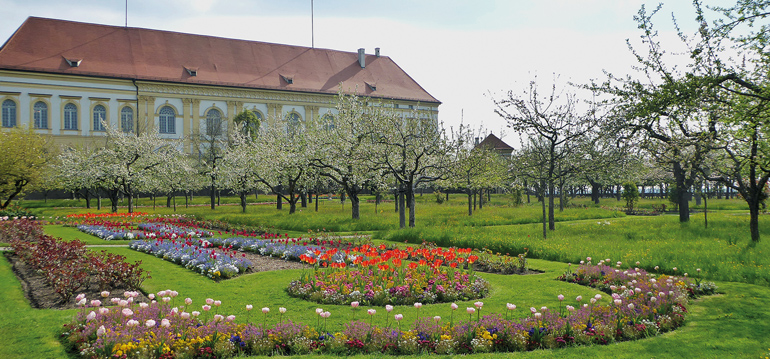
{"x": 464, "y": 53}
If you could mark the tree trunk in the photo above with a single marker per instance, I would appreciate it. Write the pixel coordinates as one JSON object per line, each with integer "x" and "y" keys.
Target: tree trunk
{"x": 174, "y": 203}
{"x": 395, "y": 201}
{"x": 754, "y": 219}
{"x": 526, "y": 189}
{"x": 87, "y": 196}
{"x": 475, "y": 194}
{"x": 617, "y": 192}
{"x": 401, "y": 210}
{"x": 113, "y": 200}
{"x": 470, "y": 202}
{"x": 481, "y": 198}
{"x": 303, "y": 199}
{"x": 186, "y": 199}
{"x": 279, "y": 202}
{"x": 243, "y": 202}
{"x": 316, "y": 202}
{"x": 130, "y": 203}
{"x": 219, "y": 198}
{"x": 551, "y": 220}
{"x": 213, "y": 195}
{"x": 98, "y": 200}
{"x": 562, "y": 197}
{"x": 596, "y": 189}
{"x": 545, "y": 232}
{"x": 410, "y": 195}
{"x": 168, "y": 200}
{"x": 355, "y": 205}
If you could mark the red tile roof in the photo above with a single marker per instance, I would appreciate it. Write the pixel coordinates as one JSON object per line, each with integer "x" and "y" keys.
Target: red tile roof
{"x": 45, "y": 45}
{"x": 495, "y": 143}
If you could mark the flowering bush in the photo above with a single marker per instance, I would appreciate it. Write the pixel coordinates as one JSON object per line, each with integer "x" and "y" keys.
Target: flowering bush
{"x": 216, "y": 263}
{"x": 163, "y": 329}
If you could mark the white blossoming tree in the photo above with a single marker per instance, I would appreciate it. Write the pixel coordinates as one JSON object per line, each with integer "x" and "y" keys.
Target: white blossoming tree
{"x": 341, "y": 148}
{"x": 129, "y": 161}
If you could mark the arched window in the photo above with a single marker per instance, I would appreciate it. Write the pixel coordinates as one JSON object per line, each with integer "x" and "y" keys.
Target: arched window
{"x": 261, "y": 119}
{"x": 127, "y": 119}
{"x": 167, "y": 121}
{"x": 40, "y": 110}
{"x": 100, "y": 114}
{"x": 328, "y": 121}
{"x": 9, "y": 113}
{"x": 213, "y": 122}
{"x": 293, "y": 123}
{"x": 70, "y": 117}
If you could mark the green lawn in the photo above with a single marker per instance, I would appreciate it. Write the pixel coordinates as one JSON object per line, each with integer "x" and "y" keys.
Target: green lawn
{"x": 734, "y": 324}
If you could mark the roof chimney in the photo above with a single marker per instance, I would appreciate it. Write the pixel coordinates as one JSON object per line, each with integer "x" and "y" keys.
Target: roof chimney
{"x": 477, "y": 141}
{"x": 362, "y": 57}
{"x": 377, "y": 51}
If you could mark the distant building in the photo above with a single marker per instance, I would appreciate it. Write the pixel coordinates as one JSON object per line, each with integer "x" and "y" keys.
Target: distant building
{"x": 496, "y": 144}
{"x": 62, "y": 78}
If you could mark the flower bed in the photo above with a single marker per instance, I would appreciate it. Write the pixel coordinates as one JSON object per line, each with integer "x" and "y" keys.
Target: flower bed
{"x": 110, "y": 231}
{"x": 66, "y": 265}
{"x": 375, "y": 276}
{"x": 646, "y": 307}
{"x": 215, "y": 263}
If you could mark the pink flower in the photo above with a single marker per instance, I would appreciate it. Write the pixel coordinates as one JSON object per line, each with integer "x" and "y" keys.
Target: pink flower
{"x": 82, "y": 302}
{"x": 570, "y": 308}
{"x": 371, "y": 311}
{"x": 185, "y": 315}
{"x": 560, "y": 297}
{"x": 151, "y": 296}
{"x": 149, "y": 323}
{"x": 217, "y": 303}
{"x": 162, "y": 293}
{"x": 104, "y": 310}
{"x": 453, "y": 306}
{"x": 91, "y": 316}
{"x": 96, "y": 303}
{"x": 188, "y": 301}
{"x": 418, "y": 305}
{"x": 265, "y": 310}
{"x": 132, "y": 323}
{"x": 389, "y": 308}
{"x": 437, "y": 319}
{"x": 543, "y": 309}
{"x": 173, "y": 293}
{"x": 319, "y": 311}
{"x": 166, "y": 299}
{"x": 195, "y": 313}
{"x": 579, "y": 298}
{"x": 127, "y": 312}
{"x": 143, "y": 305}
{"x": 80, "y": 297}
{"x": 230, "y": 318}
{"x": 398, "y": 317}
{"x": 533, "y": 310}
{"x": 631, "y": 306}
{"x": 470, "y": 310}
{"x": 598, "y": 297}
{"x": 588, "y": 259}
{"x": 206, "y": 308}
{"x": 479, "y": 304}
{"x": 538, "y": 315}
{"x": 165, "y": 323}
{"x": 326, "y": 315}
{"x": 354, "y": 304}
{"x": 281, "y": 310}
{"x": 105, "y": 294}
{"x": 123, "y": 303}
{"x": 249, "y": 307}
{"x": 618, "y": 301}
{"x": 209, "y": 301}
{"x": 100, "y": 331}
{"x": 511, "y": 306}
{"x": 218, "y": 318}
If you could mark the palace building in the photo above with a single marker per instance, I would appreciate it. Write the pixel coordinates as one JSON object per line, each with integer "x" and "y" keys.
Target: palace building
{"x": 62, "y": 78}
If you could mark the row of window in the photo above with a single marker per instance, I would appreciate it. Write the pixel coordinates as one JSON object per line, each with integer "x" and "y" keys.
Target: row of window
{"x": 166, "y": 118}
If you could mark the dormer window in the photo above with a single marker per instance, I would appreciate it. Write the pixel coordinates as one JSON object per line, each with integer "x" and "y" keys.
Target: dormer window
{"x": 372, "y": 86}
{"x": 73, "y": 62}
{"x": 289, "y": 79}
{"x": 192, "y": 71}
